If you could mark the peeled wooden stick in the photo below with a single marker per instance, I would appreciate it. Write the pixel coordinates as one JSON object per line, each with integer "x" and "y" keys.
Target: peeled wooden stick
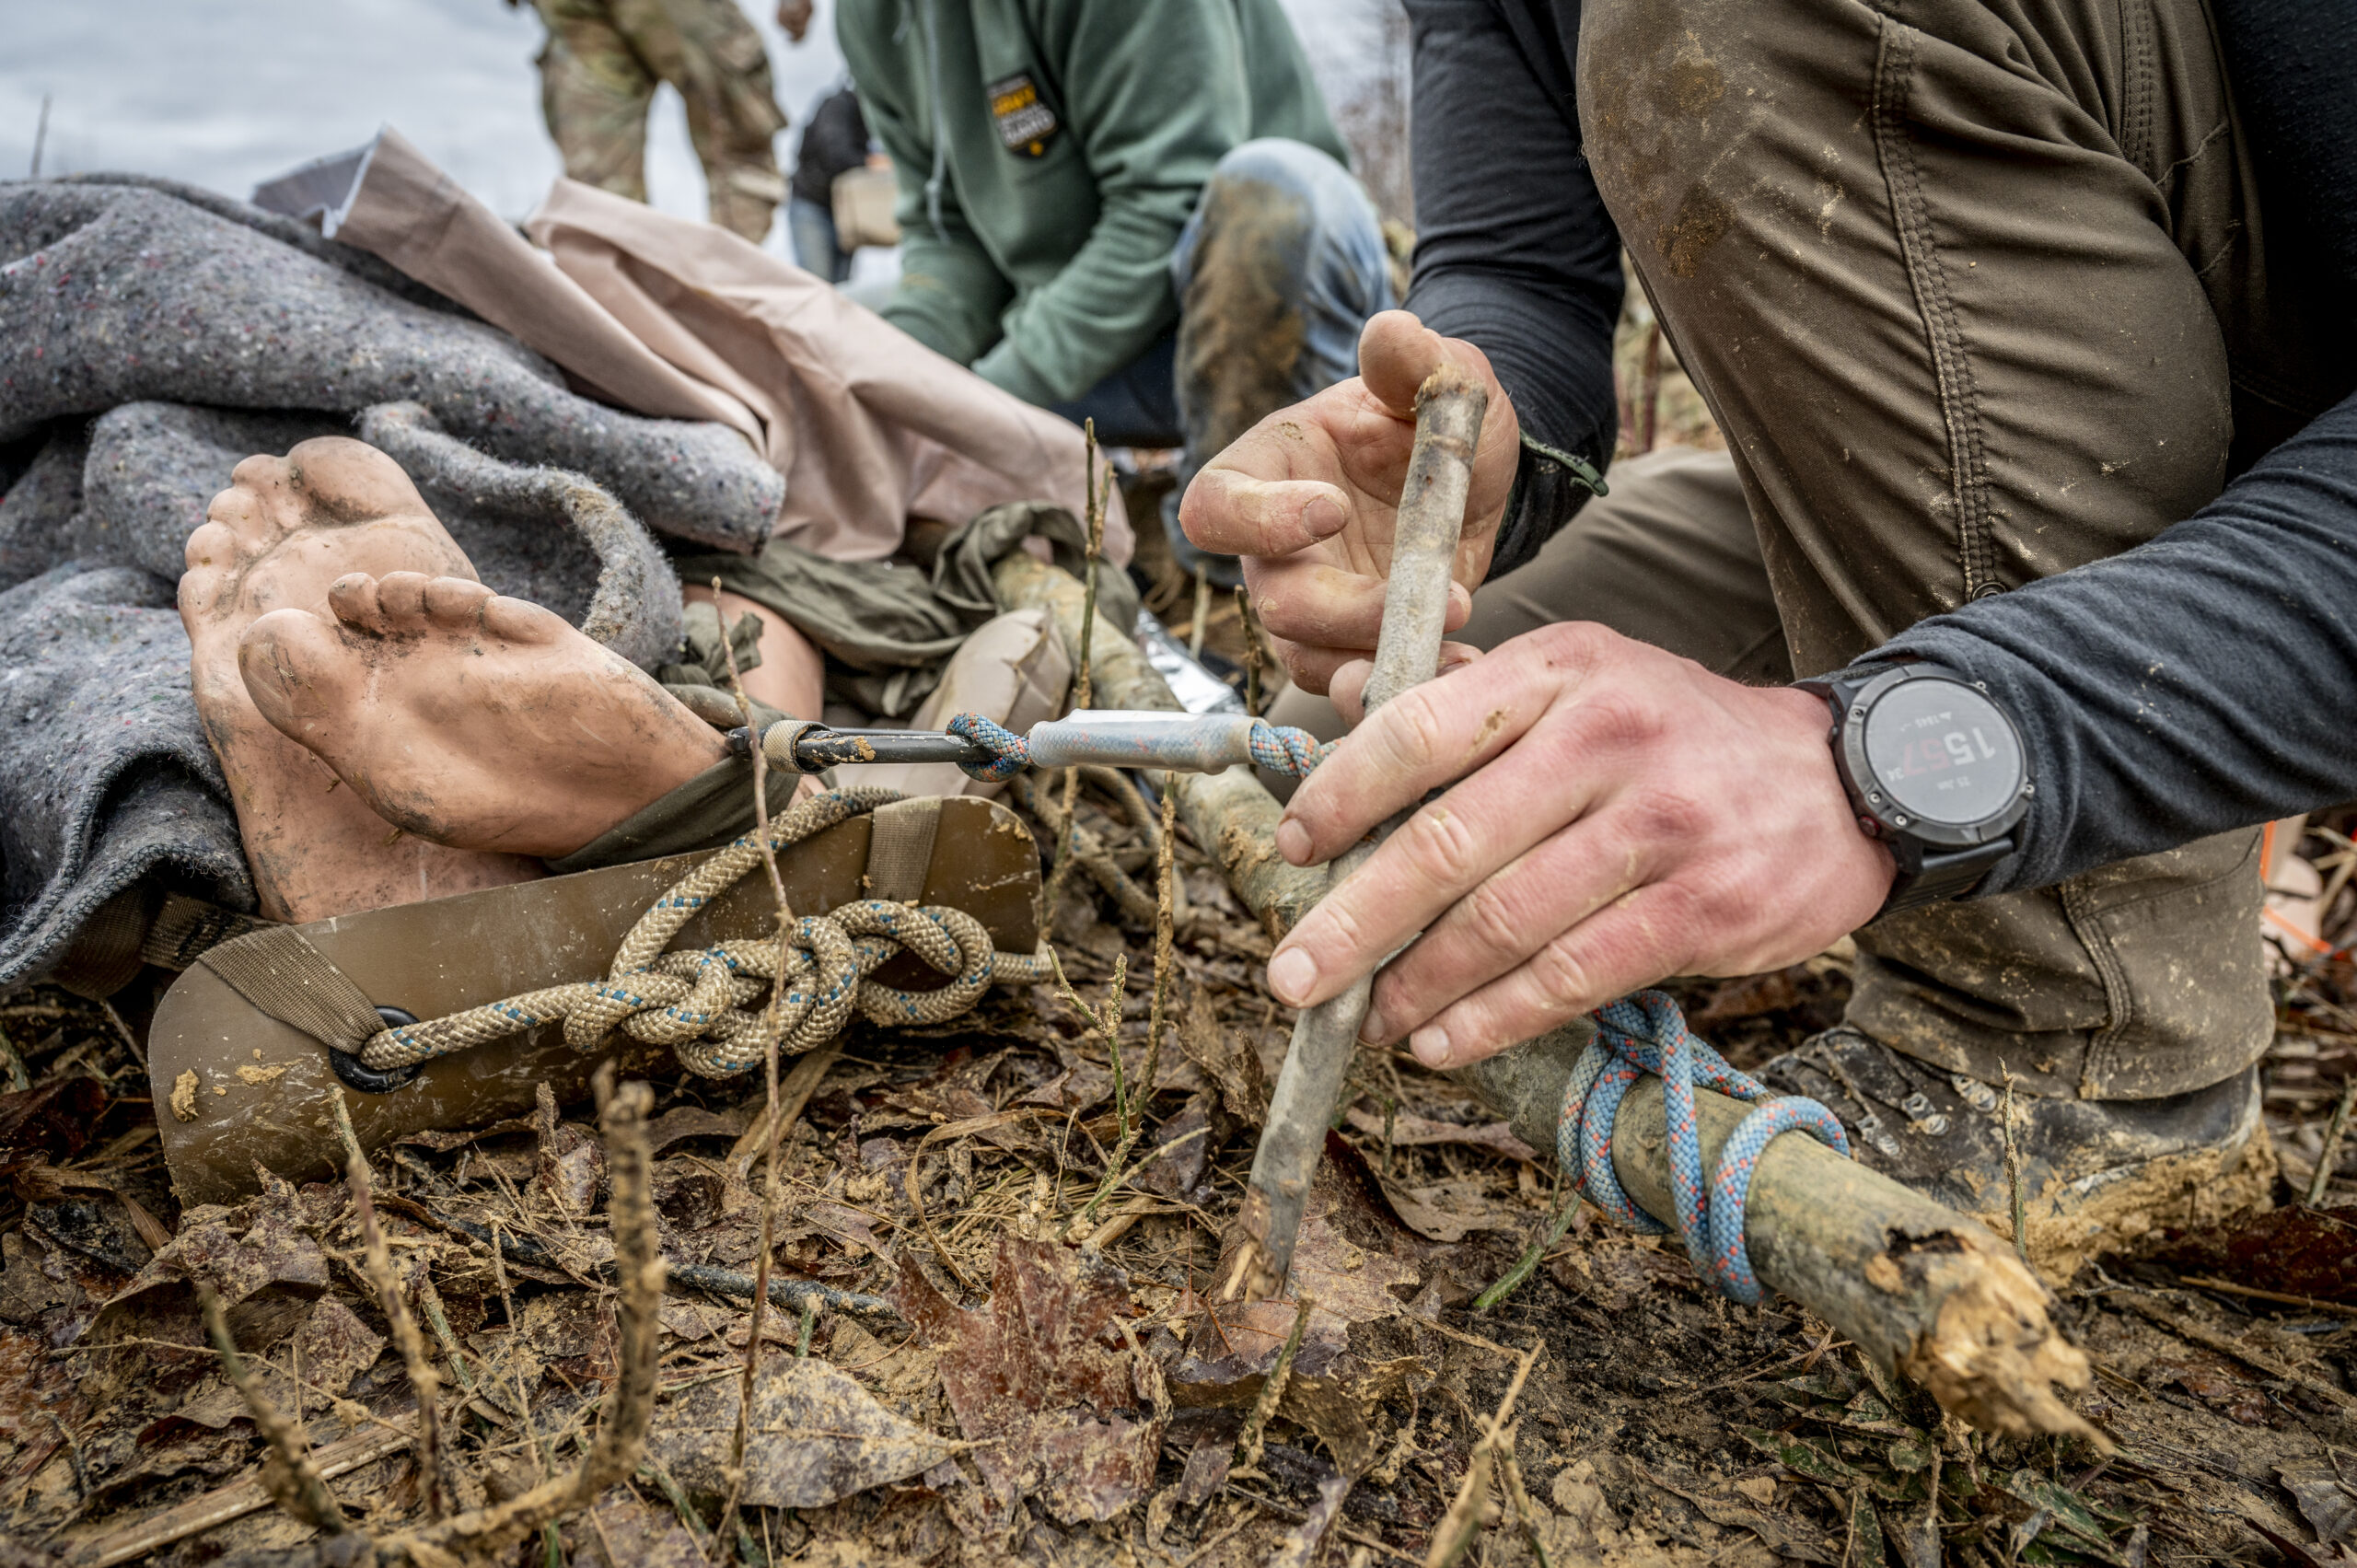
{"x": 1920, "y": 1288}
{"x": 1449, "y": 407}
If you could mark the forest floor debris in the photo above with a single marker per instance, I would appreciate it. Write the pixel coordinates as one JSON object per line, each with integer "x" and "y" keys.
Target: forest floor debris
{"x": 1041, "y": 1386}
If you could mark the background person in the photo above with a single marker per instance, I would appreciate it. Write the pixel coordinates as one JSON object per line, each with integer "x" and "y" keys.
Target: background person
{"x": 1136, "y": 213}
{"x": 834, "y": 142}
{"x": 598, "y": 73}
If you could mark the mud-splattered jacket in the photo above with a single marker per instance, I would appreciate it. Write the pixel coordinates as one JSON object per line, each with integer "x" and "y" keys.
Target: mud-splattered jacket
{"x": 1048, "y": 152}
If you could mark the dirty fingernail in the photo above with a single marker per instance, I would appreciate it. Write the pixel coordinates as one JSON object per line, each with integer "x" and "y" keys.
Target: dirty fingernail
{"x": 1431, "y": 1045}
{"x": 1373, "y": 1029}
{"x": 1291, "y": 974}
{"x": 1293, "y": 842}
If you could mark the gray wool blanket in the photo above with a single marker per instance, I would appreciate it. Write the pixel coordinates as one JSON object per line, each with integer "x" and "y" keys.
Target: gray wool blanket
{"x": 151, "y": 336}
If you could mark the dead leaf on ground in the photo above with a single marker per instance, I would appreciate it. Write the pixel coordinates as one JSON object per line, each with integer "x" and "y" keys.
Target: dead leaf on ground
{"x": 1449, "y": 1211}
{"x": 332, "y": 1348}
{"x": 1780, "y": 1533}
{"x": 2326, "y": 1501}
{"x": 816, "y": 1436}
{"x": 1340, "y": 1372}
{"x": 1408, "y": 1130}
{"x": 1067, "y": 1419}
{"x": 2297, "y": 1250}
{"x": 684, "y": 1121}
{"x": 571, "y": 1159}
{"x": 1226, "y": 1057}
{"x": 621, "y": 1530}
{"x": 2209, "y": 1378}
{"x": 262, "y": 1256}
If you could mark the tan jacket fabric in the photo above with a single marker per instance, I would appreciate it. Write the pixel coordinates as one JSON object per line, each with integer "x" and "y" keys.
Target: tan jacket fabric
{"x": 686, "y": 321}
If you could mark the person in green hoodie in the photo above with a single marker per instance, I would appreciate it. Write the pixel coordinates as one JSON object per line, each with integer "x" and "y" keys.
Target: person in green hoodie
{"x": 1138, "y": 214}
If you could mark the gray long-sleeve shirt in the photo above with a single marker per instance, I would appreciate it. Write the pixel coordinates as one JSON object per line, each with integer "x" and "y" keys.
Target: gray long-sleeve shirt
{"x": 2198, "y": 682}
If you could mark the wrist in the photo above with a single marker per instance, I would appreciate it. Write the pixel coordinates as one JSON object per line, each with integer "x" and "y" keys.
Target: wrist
{"x": 1934, "y": 767}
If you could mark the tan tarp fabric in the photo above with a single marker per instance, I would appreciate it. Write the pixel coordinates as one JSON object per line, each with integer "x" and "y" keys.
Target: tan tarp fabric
{"x": 686, "y": 321}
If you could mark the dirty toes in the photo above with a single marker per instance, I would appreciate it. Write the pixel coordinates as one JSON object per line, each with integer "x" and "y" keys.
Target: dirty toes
{"x": 297, "y": 670}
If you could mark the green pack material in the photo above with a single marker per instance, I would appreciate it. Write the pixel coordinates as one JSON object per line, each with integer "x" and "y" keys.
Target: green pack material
{"x": 888, "y": 627}
{"x": 1066, "y": 142}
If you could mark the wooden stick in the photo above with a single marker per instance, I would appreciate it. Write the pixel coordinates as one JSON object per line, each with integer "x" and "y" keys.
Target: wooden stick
{"x": 2328, "y": 1156}
{"x": 235, "y": 1500}
{"x": 1920, "y": 1288}
{"x": 1449, "y": 408}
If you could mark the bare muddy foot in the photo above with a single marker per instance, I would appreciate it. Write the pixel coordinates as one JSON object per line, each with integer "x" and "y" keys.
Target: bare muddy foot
{"x": 470, "y": 718}
{"x": 286, "y": 528}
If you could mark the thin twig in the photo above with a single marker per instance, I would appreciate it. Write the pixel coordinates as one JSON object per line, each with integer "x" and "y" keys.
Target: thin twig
{"x": 1254, "y": 655}
{"x": 377, "y": 1263}
{"x": 2328, "y": 1157}
{"x": 629, "y": 1402}
{"x": 1165, "y": 930}
{"x": 770, "y": 1032}
{"x": 1202, "y": 613}
{"x": 1272, "y": 1394}
{"x": 1472, "y": 1507}
{"x": 2013, "y": 1175}
{"x": 288, "y": 1474}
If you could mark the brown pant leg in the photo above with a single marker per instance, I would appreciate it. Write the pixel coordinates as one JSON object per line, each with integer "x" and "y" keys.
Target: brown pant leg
{"x": 1669, "y": 557}
{"x": 1951, "y": 274}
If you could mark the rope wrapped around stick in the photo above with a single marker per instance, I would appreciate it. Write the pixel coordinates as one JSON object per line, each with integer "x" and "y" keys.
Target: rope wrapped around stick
{"x": 699, "y": 1002}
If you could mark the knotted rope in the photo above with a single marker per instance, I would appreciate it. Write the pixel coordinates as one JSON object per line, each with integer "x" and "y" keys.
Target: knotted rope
{"x": 697, "y": 1001}
{"x": 1279, "y": 747}
{"x": 1645, "y": 1032}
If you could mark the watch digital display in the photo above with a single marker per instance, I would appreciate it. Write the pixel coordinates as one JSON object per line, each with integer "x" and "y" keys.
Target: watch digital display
{"x": 1943, "y": 752}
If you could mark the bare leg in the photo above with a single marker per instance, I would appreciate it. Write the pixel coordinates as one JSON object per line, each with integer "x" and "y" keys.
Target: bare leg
{"x": 286, "y": 528}
{"x": 792, "y": 675}
{"x": 469, "y": 718}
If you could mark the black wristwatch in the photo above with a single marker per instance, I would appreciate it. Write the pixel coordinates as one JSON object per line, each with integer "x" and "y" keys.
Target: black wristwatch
{"x": 1938, "y": 770}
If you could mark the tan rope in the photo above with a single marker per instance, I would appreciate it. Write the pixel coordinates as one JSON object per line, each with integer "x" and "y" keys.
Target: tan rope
{"x": 699, "y": 1002}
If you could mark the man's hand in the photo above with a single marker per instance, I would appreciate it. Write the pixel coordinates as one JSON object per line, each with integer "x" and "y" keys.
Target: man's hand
{"x": 794, "y": 16}
{"x": 1623, "y": 815}
{"x": 1309, "y": 497}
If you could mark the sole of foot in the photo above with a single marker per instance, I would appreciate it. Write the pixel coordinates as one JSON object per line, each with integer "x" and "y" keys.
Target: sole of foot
{"x": 284, "y": 529}
{"x": 469, "y": 718}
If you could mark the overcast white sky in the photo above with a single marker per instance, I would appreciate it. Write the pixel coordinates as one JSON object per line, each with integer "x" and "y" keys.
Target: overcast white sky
{"x": 225, "y": 93}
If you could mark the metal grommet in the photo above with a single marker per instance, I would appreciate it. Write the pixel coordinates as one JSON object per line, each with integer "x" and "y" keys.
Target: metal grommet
{"x": 359, "y": 1074}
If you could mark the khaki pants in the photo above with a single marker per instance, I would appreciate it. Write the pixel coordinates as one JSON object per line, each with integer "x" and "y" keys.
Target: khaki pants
{"x": 1979, "y": 290}
{"x": 598, "y": 73}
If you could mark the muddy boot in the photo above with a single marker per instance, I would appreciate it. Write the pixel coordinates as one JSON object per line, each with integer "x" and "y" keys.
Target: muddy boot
{"x": 2096, "y": 1176}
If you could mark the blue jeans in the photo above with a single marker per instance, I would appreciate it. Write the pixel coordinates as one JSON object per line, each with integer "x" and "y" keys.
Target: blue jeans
{"x": 811, "y": 226}
{"x": 1276, "y": 272}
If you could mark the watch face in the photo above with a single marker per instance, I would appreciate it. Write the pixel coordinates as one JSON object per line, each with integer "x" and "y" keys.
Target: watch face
{"x": 1943, "y": 752}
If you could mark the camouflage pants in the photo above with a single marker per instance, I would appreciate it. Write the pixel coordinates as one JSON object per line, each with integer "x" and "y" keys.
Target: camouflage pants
{"x": 599, "y": 71}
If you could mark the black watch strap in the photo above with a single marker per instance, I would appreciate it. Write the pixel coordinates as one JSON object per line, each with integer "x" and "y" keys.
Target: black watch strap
{"x": 1935, "y": 877}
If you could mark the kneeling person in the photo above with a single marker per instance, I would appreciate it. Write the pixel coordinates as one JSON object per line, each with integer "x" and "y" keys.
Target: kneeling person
{"x": 1135, "y": 214}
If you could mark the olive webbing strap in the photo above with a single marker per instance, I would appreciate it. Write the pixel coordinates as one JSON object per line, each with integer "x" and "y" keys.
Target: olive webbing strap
{"x": 900, "y": 847}
{"x": 278, "y": 971}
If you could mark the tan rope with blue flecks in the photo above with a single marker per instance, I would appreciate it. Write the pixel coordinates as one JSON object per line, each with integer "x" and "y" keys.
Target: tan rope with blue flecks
{"x": 697, "y": 1001}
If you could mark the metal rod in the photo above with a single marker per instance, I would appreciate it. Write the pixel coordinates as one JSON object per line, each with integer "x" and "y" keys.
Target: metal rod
{"x": 1449, "y": 408}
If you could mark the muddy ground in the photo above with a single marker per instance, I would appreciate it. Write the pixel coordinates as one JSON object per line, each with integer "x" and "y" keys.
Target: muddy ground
{"x": 1025, "y": 1357}
{"x": 1049, "y": 1375}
